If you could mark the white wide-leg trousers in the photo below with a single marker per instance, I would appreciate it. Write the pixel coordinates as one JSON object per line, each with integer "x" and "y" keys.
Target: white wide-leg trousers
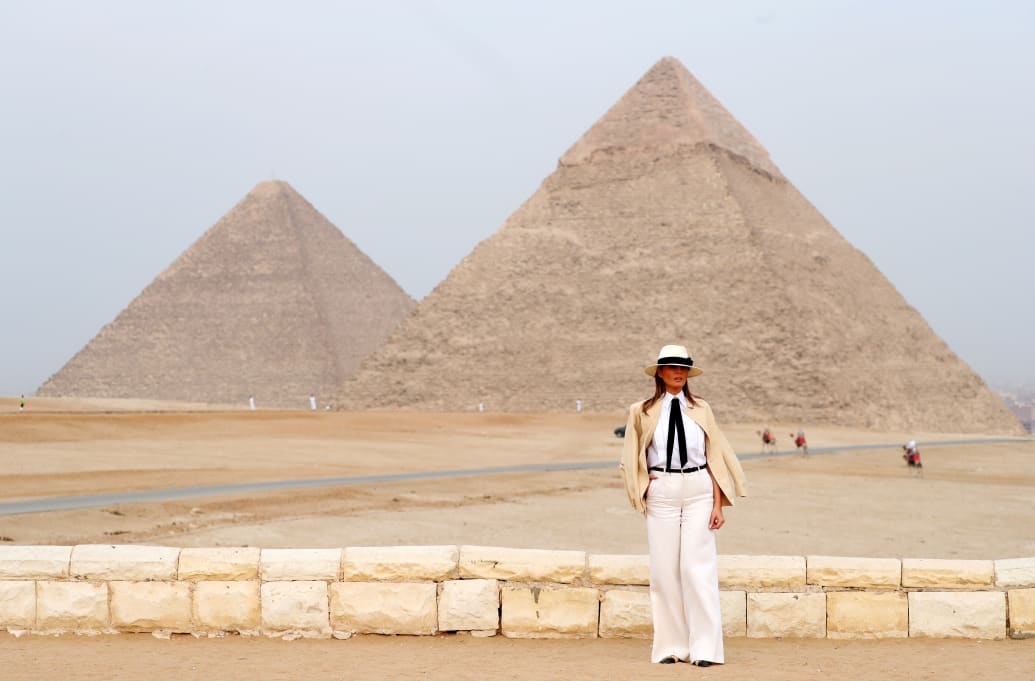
{"x": 684, "y": 573}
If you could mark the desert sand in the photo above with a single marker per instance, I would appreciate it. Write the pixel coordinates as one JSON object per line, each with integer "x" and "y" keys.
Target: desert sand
{"x": 973, "y": 501}
{"x": 131, "y": 657}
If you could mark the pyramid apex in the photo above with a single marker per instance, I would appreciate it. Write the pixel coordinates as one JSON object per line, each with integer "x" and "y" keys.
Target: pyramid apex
{"x": 666, "y": 109}
{"x": 271, "y": 187}
{"x": 668, "y": 60}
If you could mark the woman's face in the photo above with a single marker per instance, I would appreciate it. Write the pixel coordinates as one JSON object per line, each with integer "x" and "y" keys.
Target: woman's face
{"x": 674, "y": 377}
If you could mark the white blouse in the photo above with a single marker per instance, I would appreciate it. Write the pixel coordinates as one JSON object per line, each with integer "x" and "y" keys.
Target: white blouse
{"x": 694, "y": 437}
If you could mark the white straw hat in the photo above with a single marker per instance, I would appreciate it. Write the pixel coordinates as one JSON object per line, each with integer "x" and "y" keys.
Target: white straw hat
{"x": 673, "y": 356}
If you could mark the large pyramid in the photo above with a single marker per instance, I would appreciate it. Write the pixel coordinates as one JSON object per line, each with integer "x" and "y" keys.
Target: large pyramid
{"x": 272, "y": 301}
{"x": 667, "y": 222}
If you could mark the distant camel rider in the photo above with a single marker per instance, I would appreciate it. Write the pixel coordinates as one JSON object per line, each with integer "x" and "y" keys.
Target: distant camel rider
{"x": 799, "y": 441}
{"x": 912, "y": 455}
{"x": 768, "y": 440}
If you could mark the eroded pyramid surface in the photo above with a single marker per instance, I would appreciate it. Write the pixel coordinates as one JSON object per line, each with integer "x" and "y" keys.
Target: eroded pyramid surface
{"x": 667, "y": 222}
{"x": 273, "y": 301}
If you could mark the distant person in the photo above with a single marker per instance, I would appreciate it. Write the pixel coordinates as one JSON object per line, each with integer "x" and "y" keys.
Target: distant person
{"x": 912, "y": 456}
{"x": 679, "y": 470}
{"x": 800, "y": 443}
{"x": 578, "y": 406}
{"x": 21, "y": 405}
{"x": 768, "y": 441}
{"x": 481, "y": 407}
{"x": 312, "y": 402}
{"x": 251, "y": 402}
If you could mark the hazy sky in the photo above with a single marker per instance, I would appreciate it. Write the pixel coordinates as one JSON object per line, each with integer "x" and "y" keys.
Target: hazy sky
{"x": 129, "y": 128}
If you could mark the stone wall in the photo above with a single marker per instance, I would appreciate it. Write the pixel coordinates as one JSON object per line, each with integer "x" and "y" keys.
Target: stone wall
{"x": 519, "y": 593}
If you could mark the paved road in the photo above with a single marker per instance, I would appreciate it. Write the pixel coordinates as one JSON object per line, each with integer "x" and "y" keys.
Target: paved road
{"x": 175, "y": 493}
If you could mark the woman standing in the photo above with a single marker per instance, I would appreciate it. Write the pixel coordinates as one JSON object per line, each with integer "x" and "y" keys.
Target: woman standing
{"x": 680, "y": 471}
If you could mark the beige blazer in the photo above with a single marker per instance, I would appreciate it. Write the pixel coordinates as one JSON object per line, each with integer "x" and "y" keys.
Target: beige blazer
{"x": 722, "y": 460}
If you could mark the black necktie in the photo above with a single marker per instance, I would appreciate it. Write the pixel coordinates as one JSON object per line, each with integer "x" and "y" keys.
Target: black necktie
{"x": 675, "y": 427}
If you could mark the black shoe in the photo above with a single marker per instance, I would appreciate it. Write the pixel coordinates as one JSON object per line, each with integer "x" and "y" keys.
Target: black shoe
{"x": 703, "y": 663}
{"x": 671, "y": 659}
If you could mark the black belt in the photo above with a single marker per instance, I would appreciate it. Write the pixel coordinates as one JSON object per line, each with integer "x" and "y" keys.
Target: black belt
{"x": 676, "y": 470}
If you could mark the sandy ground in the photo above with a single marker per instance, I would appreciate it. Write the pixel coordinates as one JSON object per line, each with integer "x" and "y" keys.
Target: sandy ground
{"x": 973, "y": 501}
{"x": 131, "y": 657}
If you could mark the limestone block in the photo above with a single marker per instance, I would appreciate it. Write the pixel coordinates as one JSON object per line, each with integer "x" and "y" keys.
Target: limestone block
{"x": 151, "y": 606}
{"x": 384, "y": 607}
{"x": 293, "y": 609}
{"x": 124, "y": 562}
{"x": 400, "y": 563}
{"x": 762, "y": 572}
{"x": 521, "y": 565}
{"x": 733, "y": 605}
{"x": 469, "y": 605}
{"x": 790, "y": 615}
{"x": 1015, "y": 572}
{"x": 80, "y": 607}
{"x": 17, "y": 605}
{"x": 532, "y": 612}
{"x": 226, "y": 606}
{"x": 957, "y": 614}
{"x": 281, "y": 565}
{"x": 947, "y": 574}
{"x": 219, "y": 563}
{"x": 1022, "y": 613}
{"x": 625, "y": 614}
{"x": 619, "y": 569}
{"x": 863, "y": 573}
{"x": 34, "y": 562}
{"x": 860, "y": 614}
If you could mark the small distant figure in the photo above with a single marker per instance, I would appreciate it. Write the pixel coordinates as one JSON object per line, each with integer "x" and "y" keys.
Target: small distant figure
{"x": 21, "y": 405}
{"x": 481, "y": 407}
{"x": 312, "y": 402}
{"x": 799, "y": 442}
{"x": 578, "y": 406}
{"x": 251, "y": 402}
{"x": 768, "y": 441}
{"x": 912, "y": 457}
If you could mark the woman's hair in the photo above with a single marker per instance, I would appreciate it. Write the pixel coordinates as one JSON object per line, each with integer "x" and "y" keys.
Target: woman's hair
{"x": 659, "y": 390}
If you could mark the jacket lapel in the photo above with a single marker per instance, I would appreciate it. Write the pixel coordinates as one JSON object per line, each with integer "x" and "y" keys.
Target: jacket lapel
{"x": 697, "y": 414}
{"x": 650, "y": 423}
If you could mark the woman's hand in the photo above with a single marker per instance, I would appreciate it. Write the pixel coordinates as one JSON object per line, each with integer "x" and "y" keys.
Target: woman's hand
{"x": 716, "y": 520}
{"x": 650, "y": 479}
